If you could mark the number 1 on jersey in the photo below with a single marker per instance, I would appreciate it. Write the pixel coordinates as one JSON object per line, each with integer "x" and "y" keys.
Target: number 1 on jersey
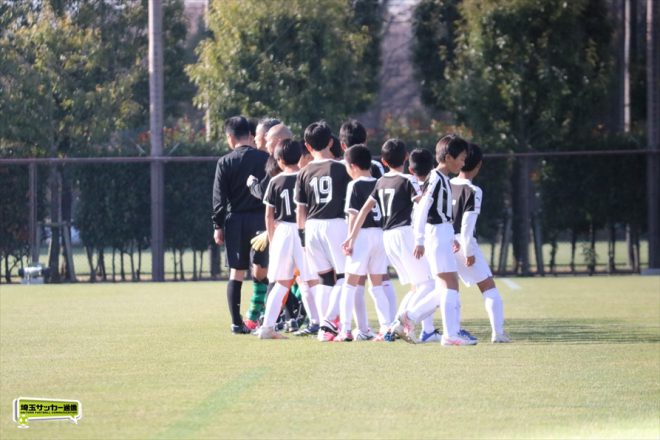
{"x": 322, "y": 188}
{"x": 287, "y": 202}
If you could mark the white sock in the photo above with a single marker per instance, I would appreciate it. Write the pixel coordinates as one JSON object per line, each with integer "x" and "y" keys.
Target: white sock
{"x": 274, "y": 304}
{"x": 322, "y": 297}
{"x": 495, "y": 310}
{"x": 332, "y": 309}
{"x": 382, "y": 306}
{"x": 390, "y": 293}
{"x": 361, "y": 310}
{"x": 424, "y": 308}
{"x": 427, "y": 323}
{"x": 347, "y": 305}
{"x": 421, "y": 292}
{"x": 307, "y": 295}
{"x": 450, "y": 319}
{"x": 404, "y": 303}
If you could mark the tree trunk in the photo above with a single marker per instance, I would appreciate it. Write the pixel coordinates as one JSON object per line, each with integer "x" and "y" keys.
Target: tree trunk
{"x": 90, "y": 260}
{"x": 553, "y": 255}
{"x": 611, "y": 249}
{"x": 573, "y": 244}
{"x": 194, "y": 276}
{"x": 139, "y": 269}
{"x": 591, "y": 254}
{"x": 201, "y": 264}
{"x": 101, "y": 264}
{"x": 522, "y": 213}
{"x": 122, "y": 270}
{"x": 506, "y": 241}
{"x": 176, "y": 277}
{"x": 183, "y": 277}
{"x": 214, "y": 261}
{"x": 55, "y": 217}
{"x": 113, "y": 264}
{"x": 132, "y": 260}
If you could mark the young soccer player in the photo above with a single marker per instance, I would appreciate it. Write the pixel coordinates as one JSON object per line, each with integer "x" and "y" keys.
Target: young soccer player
{"x": 352, "y": 132}
{"x": 472, "y": 266}
{"x": 368, "y": 255}
{"x": 286, "y": 251}
{"x": 395, "y": 193}
{"x": 433, "y": 224}
{"x": 320, "y": 194}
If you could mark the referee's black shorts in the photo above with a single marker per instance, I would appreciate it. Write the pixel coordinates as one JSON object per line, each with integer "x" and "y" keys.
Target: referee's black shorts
{"x": 240, "y": 228}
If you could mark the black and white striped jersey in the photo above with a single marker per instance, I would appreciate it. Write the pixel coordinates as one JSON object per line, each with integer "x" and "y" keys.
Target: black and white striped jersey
{"x": 321, "y": 186}
{"x": 467, "y": 198}
{"x": 395, "y": 194}
{"x": 438, "y": 189}
{"x": 357, "y": 194}
{"x": 279, "y": 194}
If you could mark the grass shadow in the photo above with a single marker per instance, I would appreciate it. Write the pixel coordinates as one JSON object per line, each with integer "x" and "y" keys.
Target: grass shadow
{"x": 566, "y": 331}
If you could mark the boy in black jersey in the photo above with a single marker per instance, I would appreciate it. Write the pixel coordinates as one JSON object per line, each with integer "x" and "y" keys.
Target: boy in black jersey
{"x": 434, "y": 224}
{"x": 286, "y": 252}
{"x": 396, "y": 193}
{"x": 352, "y": 132}
{"x": 472, "y": 266}
{"x": 368, "y": 255}
{"x": 320, "y": 195}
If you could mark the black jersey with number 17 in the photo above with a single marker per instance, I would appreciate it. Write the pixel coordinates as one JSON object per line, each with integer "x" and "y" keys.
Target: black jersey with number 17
{"x": 279, "y": 194}
{"x": 321, "y": 186}
{"x": 395, "y": 194}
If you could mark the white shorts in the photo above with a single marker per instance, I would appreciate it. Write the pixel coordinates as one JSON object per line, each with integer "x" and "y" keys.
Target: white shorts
{"x": 323, "y": 239}
{"x": 368, "y": 254}
{"x": 438, "y": 248}
{"x": 399, "y": 245}
{"x": 287, "y": 254}
{"x": 476, "y": 273}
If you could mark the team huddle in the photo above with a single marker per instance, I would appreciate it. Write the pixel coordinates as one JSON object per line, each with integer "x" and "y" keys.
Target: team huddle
{"x": 334, "y": 217}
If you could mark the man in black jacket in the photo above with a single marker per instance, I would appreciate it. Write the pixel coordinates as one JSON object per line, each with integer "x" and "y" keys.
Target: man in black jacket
{"x": 237, "y": 216}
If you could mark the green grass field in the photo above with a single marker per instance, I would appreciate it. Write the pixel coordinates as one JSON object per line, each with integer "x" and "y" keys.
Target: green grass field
{"x": 158, "y": 361}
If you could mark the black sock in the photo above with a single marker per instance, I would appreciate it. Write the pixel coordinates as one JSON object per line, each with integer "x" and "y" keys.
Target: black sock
{"x": 234, "y": 301}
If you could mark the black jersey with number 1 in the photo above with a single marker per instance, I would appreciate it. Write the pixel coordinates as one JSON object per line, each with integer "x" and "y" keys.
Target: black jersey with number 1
{"x": 357, "y": 194}
{"x": 395, "y": 193}
{"x": 279, "y": 194}
{"x": 321, "y": 186}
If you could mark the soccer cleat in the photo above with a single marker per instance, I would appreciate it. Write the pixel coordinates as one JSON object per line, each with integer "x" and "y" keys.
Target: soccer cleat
{"x": 310, "y": 330}
{"x": 291, "y": 326}
{"x": 364, "y": 336}
{"x": 434, "y": 336}
{"x": 269, "y": 333}
{"x": 456, "y": 340}
{"x": 501, "y": 338}
{"x": 344, "y": 337}
{"x": 324, "y": 336}
{"x": 240, "y": 329}
{"x": 329, "y": 327}
{"x": 404, "y": 328}
{"x": 252, "y": 325}
{"x": 466, "y": 335}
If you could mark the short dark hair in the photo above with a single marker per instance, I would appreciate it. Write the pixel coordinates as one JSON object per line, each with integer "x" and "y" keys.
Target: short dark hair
{"x": 359, "y": 155}
{"x": 289, "y": 151}
{"x": 237, "y": 126}
{"x": 318, "y": 135}
{"x": 304, "y": 150}
{"x": 473, "y": 158}
{"x": 269, "y": 123}
{"x": 421, "y": 162}
{"x": 352, "y": 133}
{"x": 335, "y": 148}
{"x": 394, "y": 152}
{"x": 451, "y": 144}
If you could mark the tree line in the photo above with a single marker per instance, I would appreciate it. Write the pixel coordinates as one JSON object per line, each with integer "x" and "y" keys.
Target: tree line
{"x": 513, "y": 75}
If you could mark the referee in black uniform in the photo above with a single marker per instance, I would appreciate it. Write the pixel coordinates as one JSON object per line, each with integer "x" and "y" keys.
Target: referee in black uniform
{"x": 237, "y": 216}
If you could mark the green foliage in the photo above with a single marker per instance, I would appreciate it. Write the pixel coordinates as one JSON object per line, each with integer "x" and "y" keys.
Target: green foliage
{"x": 300, "y": 61}
{"x": 435, "y": 28}
{"x": 527, "y": 73}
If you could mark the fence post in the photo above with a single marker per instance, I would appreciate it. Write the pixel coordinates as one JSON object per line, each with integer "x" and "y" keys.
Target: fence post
{"x": 32, "y": 223}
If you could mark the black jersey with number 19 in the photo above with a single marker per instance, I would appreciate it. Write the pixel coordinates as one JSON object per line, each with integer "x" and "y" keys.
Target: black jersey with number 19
{"x": 279, "y": 194}
{"x": 321, "y": 186}
{"x": 395, "y": 194}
